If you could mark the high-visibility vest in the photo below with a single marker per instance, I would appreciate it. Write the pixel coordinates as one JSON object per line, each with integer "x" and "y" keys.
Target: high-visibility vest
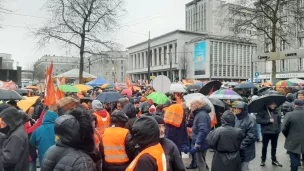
{"x": 102, "y": 123}
{"x": 97, "y": 138}
{"x": 113, "y": 141}
{"x": 173, "y": 118}
{"x": 157, "y": 153}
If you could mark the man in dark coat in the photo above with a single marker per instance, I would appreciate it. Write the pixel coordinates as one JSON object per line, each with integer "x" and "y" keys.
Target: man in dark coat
{"x": 130, "y": 111}
{"x": 15, "y": 149}
{"x": 248, "y": 125}
{"x": 270, "y": 120}
{"x": 200, "y": 129}
{"x": 226, "y": 141}
{"x": 293, "y": 131}
{"x": 173, "y": 157}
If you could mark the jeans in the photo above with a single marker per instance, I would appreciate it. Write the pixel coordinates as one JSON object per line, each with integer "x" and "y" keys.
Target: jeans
{"x": 295, "y": 160}
{"x": 245, "y": 166}
{"x": 258, "y": 132}
{"x": 33, "y": 166}
{"x": 201, "y": 160}
{"x": 274, "y": 142}
{"x": 193, "y": 160}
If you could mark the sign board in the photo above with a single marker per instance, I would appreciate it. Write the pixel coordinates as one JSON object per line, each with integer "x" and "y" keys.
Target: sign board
{"x": 271, "y": 56}
{"x": 283, "y": 75}
{"x": 256, "y": 74}
{"x": 161, "y": 84}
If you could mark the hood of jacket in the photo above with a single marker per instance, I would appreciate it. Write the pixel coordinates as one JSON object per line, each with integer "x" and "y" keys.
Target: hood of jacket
{"x": 49, "y": 117}
{"x": 243, "y": 114}
{"x": 206, "y": 109}
{"x": 130, "y": 110}
{"x": 12, "y": 117}
{"x": 228, "y": 119}
{"x": 145, "y": 131}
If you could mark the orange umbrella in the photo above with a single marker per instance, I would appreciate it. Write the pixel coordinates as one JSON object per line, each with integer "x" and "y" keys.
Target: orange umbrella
{"x": 136, "y": 88}
{"x": 27, "y": 103}
{"x": 31, "y": 87}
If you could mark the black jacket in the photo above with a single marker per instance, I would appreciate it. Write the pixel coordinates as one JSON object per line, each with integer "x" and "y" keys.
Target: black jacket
{"x": 226, "y": 142}
{"x": 173, "y": 157}
{"x": 131, "y": 152}
{"x": 15, "y": 149}
{"x": 293, "y": 131}
{"x": 248, "y": 125}
{"x": 267, "y": 127}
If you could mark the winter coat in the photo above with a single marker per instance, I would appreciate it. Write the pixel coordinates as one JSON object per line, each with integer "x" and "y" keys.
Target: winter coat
{"x": 178, "y": 135}
{"x": 131, "y": 152}
{"x": 131, "y": 112}
{"x": 201, "y": 127}
{"x": 287, "y": 107}
{"x": 293, "y": 131}
{"x": 226, "y": 142}
{"x": 267, "y": 127}
{"x": 248, "y": 125}
{"x": 44, "y": 136}
{"x": 173, "y": 157}
{"x": 15, "y": 149}
{"x": 69, "y": 152}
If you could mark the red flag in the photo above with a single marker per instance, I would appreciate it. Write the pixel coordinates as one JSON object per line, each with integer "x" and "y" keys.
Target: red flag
{"x": 128, "y": 81}
{"x": 62, "y": 81}
{"x": 59, "y": 94}
{"x": 50, "y": 94}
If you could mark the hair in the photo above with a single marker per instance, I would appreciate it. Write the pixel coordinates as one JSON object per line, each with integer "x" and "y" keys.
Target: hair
{"x": 200, "y": 103}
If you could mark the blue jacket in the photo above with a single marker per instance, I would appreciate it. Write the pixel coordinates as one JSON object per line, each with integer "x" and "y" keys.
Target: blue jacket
{"x": 178, "y": 135}
{"x": 44, "y": 136}
{"x": 201, "y": 127}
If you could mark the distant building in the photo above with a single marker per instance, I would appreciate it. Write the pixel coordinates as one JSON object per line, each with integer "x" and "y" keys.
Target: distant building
{"x": 111, "y": 66}
{"x": 7, "y": 62}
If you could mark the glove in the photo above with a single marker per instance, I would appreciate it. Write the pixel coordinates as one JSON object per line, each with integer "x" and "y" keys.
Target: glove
{"x": 185, "y": 149}
{"x": 192, "y": 150}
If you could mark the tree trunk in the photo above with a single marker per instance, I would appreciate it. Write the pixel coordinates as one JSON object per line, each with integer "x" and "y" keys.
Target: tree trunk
{"x": 81, "y": 60}
{"x": 273, "y": 49}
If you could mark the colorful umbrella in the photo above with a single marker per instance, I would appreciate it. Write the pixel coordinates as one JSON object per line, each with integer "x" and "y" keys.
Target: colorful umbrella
{"x": 225, "y": 94}
{"x": 107, "y": 86}
{"x": 158, "y": 98}
{"x": 285, "y": 83}
{"x": 82, "y": 87}
{"x": 27, "y": 103}
{"x": 177, "y": 88}
{"x": 127, "y": 92}
{"x": 296, "y": 80}
{"x": 68, "y": 88}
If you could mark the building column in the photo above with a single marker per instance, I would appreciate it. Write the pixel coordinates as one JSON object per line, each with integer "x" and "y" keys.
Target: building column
{"x": 162, "y": 55}
{"x": 153, "y": 59}
{"x": 157, "y": 57}
{"x": 169, "y": 54}
{"x": 133, "y": 62}
{"x": 145, "y": 60}
{"x": 179, "y": 74}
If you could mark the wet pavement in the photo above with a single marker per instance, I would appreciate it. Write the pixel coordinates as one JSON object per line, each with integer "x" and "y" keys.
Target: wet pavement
{"x": 283, "y": 158}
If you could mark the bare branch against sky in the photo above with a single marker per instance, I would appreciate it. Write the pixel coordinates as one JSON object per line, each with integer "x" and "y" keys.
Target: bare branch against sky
{"x": 83, "y": 24}
{"x": 273, "y": 22}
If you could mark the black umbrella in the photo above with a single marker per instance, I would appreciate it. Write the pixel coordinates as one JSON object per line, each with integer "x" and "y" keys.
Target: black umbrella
{"x": 10, "y": 95}
{"x": 263, "y": 90}
{"x": 194, "y": 87}
{"x": 217, "y": 102}
{"x": 86, "y": 100}
{"x": 259, "y": 103}
{"x": 210, "y": 86}
{"x": 245, "y": 86}
{"x": 108, "y": 97}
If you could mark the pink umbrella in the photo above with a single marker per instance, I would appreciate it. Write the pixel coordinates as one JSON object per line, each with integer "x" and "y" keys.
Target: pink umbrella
{"x": 127, "y": 92}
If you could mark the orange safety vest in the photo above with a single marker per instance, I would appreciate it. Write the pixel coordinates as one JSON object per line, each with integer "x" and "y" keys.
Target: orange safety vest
{"x": 97, "y": 138}
{"x": 102, "y": 123}
{"x": 157, "y": 153}
{"x": 172, "y": 117}
{"x": 113, "y": 141}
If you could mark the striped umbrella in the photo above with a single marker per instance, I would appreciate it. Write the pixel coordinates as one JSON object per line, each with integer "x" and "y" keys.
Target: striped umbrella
{"x": 285, "y": 83}
{"x": 225, "y": 94}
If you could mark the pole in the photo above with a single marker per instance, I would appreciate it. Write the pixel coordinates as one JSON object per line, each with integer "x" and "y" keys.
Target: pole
{"x": 89, "y": 65}
{"x": 149, "y": 59}
{"x": 252, "y": 90}
{"x": 170, "y": 58}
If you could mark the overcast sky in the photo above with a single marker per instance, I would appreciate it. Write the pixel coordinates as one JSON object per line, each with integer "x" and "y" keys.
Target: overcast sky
{"x": 157, "y": 16}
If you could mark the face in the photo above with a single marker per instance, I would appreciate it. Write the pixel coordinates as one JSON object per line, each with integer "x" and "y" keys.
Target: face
{"x": 119, "y": 107}
{"x": 236, "y": 111}
{"x": 300, "y": 96}
{"x": 194, "y": 106}
{"x": 162, "y": 130}
{"x": 2, "y": 124}
{"x": 272, "y": 106}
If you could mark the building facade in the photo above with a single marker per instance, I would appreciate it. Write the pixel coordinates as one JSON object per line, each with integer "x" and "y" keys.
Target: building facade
{"x": 110, "y": 66}
{"x": 6, "y": 61}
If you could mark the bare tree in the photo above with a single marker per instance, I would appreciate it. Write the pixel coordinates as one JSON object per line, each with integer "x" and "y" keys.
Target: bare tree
{"x": 183, "y": 65}
{"x": 39, "y": 73}
{"x": 273, "y": 22}
{"x": 84, "y": 24}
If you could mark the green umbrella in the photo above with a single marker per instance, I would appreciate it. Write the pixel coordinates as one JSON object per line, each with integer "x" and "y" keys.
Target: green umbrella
{"x": 158, "y": 98}
{"x": 68, "y": 88}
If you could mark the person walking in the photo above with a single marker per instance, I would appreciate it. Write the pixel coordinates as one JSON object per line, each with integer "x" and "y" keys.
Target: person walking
{"x": 44, "y": 136}
{"x": 15, "y": 148}
{"x": 145, "y": 132}
{"x": 117, "y": 148}
{"x": 173, "y": 157}
{"x": 74, "y": 150}
{"x": 247, "y": 123}
{"x": 226, "y": 141}
{"x": 200, "y": 129}
{"x": 103, "y": 118}
{"x": 293, "y": 131}
{"x": 270, "y": 120}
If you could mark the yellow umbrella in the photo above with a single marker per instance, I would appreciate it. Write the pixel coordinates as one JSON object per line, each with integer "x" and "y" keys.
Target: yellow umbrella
{"x": 82, "y": 87}
{"x": 104, "y": 86}
{"x": 27, "y": 103}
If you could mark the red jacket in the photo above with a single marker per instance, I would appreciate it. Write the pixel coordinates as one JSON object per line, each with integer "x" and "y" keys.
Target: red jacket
{"x": 29, "y": 129}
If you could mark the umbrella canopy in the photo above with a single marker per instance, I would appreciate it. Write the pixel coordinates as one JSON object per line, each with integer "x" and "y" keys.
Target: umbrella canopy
{"x": 127, "y": 92}
{"x": 108, "y": 97}
{"x": 177, "y": 88}
{"x": 245, "y": 86}
{"x": 193, "y": 96}
{"x": 82, "y": 87}
{"x": 97, "y": 82}
{"x": 296, "y": 80}
{"x": 194, "y": 87}
{"x": 201, "y": 84}
{"x": 31, "y": 87}
{"x": 285, "y": 83}
{"x": 10, "y": 95}
{"x": 217, "y": 102}
{"x": 232, "y": 84}
{"x": 263, "y": 90}
{"x": 68, "y": 88}
{"x": 210, "y": 87}
{"x": 225, "y": 94}
{"x": 107, "y": 86}
{"x": 74, "y": 73}
{"x": 27, "y": 103}
{"x": 23, "y": 91}
{"x": 158, "y": 98}
{"x": 259, "y": 103}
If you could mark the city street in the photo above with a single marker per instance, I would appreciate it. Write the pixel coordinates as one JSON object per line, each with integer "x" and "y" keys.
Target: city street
{"x": 283, "y": 158}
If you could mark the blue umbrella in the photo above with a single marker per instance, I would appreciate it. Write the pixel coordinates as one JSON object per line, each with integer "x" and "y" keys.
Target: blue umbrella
{"x": 108, "y": 97}
{"x": 97, "y": 82}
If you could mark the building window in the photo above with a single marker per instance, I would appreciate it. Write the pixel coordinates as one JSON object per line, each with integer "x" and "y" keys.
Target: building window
{"x": 121, "y": 67}
{"x": 122, "y": 74}
{"x": 121, "y": 62}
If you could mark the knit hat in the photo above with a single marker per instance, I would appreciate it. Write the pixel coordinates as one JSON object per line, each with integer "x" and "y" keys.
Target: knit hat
{"x": 97, "y": 105}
